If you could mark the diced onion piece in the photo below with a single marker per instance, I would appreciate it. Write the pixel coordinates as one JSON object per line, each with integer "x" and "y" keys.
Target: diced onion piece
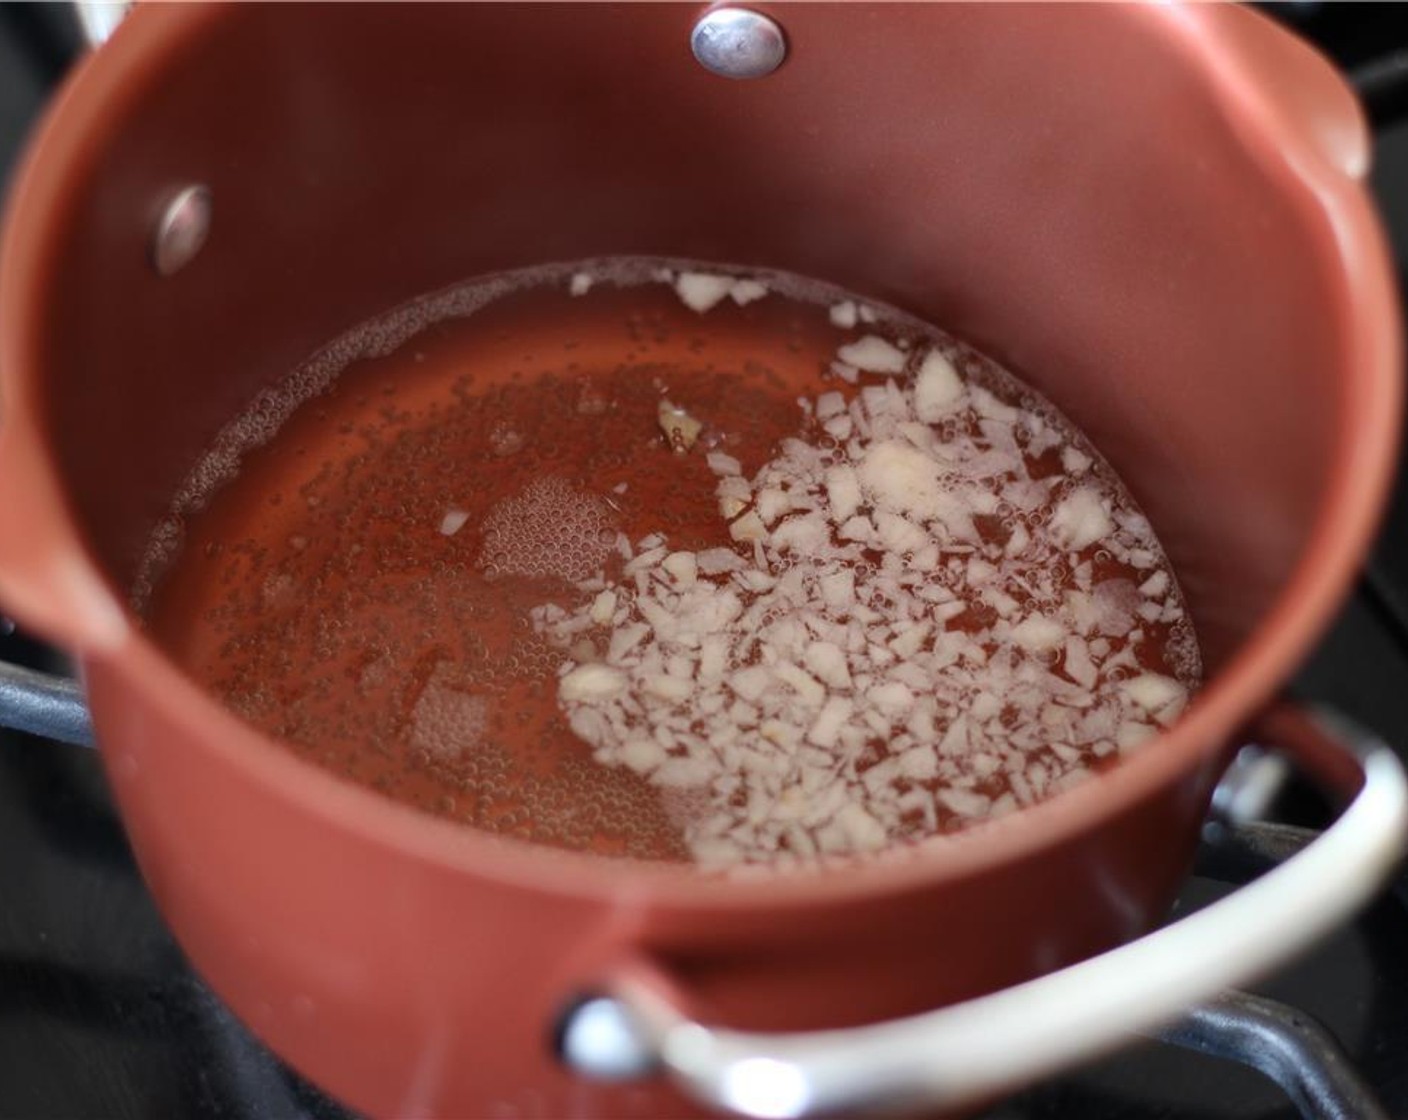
{"x": 1038, "y": 633}
{"x": 892, "y": 698}
{"x": 749, "y": 527}
{"x": 1078, "y": 664}
{"x": 772, "y": 503}
{"x": 964, "y": 802}
{"x": 829, "y": 405}
{"x": 714, "y": 561}
{"x": 838, "y": 589}
{"x": 1131, "y": 734}
{"x": 1081, "y": 519}
{"x": 591, "y": 683}
{"x": 1155, "y": 586}
{"x": 873, "y": 354}
{"x": 752, "y": 682}
{"x": 842, "y": 493}
{"x": 744, "y": 292}
{"x": 671, "y": 689}
{"x": 680, "y": 428}
{"x": 865, "y": 833}
{"x": 603, "y": 607}
{"x": 899, "y": 534}
{"x": 1152, "y": 692}
{"x": 683, "y": 568}
{"x": 843, "y": 315}
{"x": 937, "y": 388}
{"x": 809, "y": 690}
{"x": 700, "y": 291}
{"x": 722, "y": 464}
{"x": 828, "y": 663}
{"x": 453, "y": 521}
{"x": 1073, "y": 461}
{"x": 901, "y": 479}
{"x": 642, "y": 755}
{"x": 826, "y": 728}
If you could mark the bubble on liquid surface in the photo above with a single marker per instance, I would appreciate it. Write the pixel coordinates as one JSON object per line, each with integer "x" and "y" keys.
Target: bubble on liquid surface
{"x": 447, "y": 720}
{"x": 551, "y": 529}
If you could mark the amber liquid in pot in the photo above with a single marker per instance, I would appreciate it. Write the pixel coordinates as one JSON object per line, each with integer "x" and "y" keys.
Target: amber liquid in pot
{"x": 348, "y": 592}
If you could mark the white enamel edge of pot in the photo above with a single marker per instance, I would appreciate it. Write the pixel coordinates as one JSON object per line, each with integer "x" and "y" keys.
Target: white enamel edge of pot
{"x": 974, "y": 1050}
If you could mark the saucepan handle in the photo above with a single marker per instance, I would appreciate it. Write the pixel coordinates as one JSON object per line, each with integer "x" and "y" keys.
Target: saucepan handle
{"x": 48, "y": 581}
{"x": 43, "y": 574}
{"x": 967, "y": 1052}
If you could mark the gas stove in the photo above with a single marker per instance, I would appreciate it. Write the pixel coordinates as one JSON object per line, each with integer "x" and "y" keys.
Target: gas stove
{"x": 100, "y": 1015}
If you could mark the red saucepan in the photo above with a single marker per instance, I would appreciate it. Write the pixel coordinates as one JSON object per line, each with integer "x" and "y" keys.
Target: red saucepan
{"x": 1155, "y": 214}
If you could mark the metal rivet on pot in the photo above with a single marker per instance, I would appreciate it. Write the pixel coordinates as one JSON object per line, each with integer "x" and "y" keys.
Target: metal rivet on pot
{"x": 98, "y": 19}
{"x": 1249, "y": 787}
{"x": 738, "y": 43}
{"x": 599, "y": 1038}
{"x": 182, "y": 229}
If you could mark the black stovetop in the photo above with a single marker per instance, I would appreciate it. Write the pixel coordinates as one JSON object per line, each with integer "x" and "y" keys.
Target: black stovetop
{"x": 100, "y": 1015}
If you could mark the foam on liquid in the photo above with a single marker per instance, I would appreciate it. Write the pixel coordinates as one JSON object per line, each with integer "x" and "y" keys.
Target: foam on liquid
{"x": 409, "y": 561}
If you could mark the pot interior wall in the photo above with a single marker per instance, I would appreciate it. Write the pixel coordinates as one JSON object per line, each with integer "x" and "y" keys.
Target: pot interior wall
{"x": 1051, "y": 183}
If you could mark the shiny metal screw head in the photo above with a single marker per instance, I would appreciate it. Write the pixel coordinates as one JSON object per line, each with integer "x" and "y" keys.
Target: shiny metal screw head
{"x": 1248, "y": 789}
{"x": 600, "y": 1038}
{"x": 738, "y": 43}
{"x": 181, "y": 230}
{"x": 98, "y": 19}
